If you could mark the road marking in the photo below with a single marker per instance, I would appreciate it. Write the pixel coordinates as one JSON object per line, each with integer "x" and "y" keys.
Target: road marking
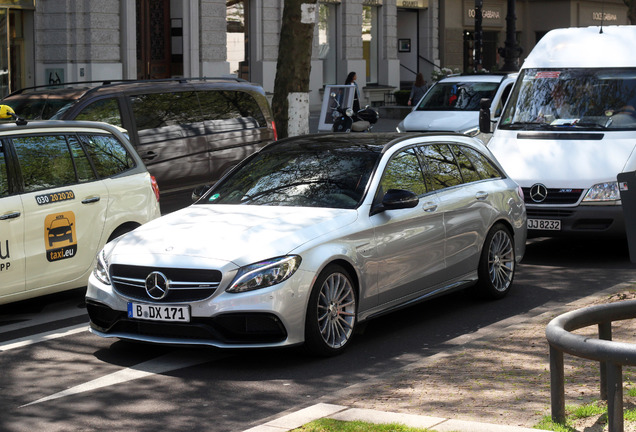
{"x": 165, "y": 363}
{"x": 41, "y": 337}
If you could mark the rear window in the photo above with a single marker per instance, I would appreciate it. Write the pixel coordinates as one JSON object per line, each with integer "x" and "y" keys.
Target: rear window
{"x": 231, "y": 105}
{"x": 39, "y": 106}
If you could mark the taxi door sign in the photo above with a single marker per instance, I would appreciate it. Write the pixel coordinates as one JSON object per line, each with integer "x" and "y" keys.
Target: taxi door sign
{"x": 59, "y": 236}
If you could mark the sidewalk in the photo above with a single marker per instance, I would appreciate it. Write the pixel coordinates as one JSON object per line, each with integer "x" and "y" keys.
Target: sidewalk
{"x": 496, "y": 379}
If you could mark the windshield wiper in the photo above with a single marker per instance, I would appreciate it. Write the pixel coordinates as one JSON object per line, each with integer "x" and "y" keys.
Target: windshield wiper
{"x": 527, "y": 125}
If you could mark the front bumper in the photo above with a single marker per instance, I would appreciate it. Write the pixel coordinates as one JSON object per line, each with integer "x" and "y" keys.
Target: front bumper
{"x": 270, "y": 317}
{"x": 582, "y": 220}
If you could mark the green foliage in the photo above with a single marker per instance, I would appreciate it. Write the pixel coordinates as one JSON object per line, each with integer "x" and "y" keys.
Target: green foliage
{"x": 585, "y": 411}
{"x": 331, "y": 425}
{"x": 547, "y": 424}
{"x": 402, "y": 97}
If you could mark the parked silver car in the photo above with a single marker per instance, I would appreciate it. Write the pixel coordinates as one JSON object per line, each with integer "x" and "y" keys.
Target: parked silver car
{"x": 311, "y": 236}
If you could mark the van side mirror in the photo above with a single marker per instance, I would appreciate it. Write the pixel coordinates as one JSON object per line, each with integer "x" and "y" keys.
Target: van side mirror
{"x": 484, "y": 115}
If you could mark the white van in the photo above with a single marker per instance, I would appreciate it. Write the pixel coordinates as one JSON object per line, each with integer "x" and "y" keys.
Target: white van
{"x": 569, "y": 127}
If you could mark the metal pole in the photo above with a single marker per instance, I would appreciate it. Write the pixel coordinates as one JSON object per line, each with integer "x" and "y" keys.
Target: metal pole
{"x": 615, "y": 398}
{"x": 478, "y": 35}
{"x": 557, "y": 385}
{"x": 511, "y": 50}
{"x": 604, "y": 333}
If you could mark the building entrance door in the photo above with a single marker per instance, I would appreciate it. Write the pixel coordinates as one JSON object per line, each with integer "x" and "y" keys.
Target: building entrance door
{"x": 153, "y": 39}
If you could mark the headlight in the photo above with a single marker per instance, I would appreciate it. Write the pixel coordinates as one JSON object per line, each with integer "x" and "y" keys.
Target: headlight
{"x": 264, "y": 274}
{"x": 103, "y": 262}
{"x": 603, "y": 192}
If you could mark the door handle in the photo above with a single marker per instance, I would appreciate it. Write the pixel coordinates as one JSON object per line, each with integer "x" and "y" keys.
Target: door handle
{"x": 429, "y": 207}
{"x": 91, "y": 200}
{"x": 481, "y": 195}
{"x": 150, "y": 155}
{"x": 10, "y": 215}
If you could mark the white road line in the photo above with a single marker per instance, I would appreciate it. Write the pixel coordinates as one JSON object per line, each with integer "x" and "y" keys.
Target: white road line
{"x": 41, "y": 337}
{"x": 168, "y": 362}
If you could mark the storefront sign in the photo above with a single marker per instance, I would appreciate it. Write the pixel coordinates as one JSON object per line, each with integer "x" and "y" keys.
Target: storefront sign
{"x": 371, "y": 2}
{"x": 593, "y": 16}
{"x": 330, "y": 1}
{"x": 413, "y": 4}
{"x": 492, "y": 15}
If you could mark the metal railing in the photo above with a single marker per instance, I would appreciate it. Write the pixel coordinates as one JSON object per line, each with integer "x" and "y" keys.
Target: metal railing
{"x": 611, "y": 355}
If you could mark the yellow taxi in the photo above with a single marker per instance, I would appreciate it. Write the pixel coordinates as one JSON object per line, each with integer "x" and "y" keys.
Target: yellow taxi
{"x": 66, "y": 189}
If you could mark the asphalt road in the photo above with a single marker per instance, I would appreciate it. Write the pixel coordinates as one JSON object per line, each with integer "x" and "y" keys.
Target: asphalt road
{"x": 55, "y": 376}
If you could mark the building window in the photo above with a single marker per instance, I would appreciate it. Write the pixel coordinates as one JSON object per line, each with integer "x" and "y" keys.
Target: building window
{"x": 370, "y": 42}
{"x": 236, "y": 39}
{"x": 327, "y": 36}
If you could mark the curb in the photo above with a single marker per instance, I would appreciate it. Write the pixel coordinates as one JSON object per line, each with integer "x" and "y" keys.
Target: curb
{"x": 343, "y": 413}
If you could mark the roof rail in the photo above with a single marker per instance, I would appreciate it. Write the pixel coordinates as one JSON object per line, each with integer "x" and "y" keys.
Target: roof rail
{"x": 102, "y": 83}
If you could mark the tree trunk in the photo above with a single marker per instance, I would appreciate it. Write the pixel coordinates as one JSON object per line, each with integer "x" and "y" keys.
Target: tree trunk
{"x": 631, "y": 11}
{"x": 294, "y": 63}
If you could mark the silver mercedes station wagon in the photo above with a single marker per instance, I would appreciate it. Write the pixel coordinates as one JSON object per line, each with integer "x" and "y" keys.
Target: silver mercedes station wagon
{"x": 311, "y": 236}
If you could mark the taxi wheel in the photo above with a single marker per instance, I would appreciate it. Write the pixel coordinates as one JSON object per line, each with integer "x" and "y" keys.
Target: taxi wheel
{"x": 331, "y": 313}
{"x": 497, "y": 263}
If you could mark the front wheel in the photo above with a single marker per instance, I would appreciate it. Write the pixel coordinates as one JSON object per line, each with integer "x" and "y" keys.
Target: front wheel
{"x": 331, "y": 313}
{"x": 497, "y": 263}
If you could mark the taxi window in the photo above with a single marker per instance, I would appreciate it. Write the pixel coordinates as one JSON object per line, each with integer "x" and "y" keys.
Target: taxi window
{"x": 104, "y": 110}
{"x": 4, "y": 180}
{"x": 108, "y": 155}
{"x": 82, "y": 165}
{"x": 45, "y": 161}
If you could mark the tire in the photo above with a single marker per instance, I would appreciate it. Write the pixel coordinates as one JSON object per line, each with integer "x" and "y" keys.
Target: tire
{"x": 331, "y": 313}
{"x": 497, "y": 263}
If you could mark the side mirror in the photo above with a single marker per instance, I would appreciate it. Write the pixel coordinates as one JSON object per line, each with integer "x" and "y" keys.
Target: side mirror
{"x": 484, "y": 116}
{"x": 395, "y": 199}
{"x": 199, "y": 191}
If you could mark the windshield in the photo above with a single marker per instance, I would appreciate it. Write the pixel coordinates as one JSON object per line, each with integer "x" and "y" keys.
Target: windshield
{"x": 333, "y": 176}
{"x": 457, "y": 96}
{"x": 38, "y": 106}
{"x": 578, "y": 99}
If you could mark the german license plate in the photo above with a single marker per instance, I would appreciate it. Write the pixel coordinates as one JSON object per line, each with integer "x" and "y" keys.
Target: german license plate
{"x": 158, "y": 312}
{"x": 544, "y": 224}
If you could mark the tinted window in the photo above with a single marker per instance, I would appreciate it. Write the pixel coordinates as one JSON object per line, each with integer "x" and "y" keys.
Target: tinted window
{"x": 485, "y": 168}
{"x": 468, "y": 170}
{"x": 45, "y": 161}
{"x": 4, "y": 179}
{"x": 403, "y": 172}
{"x": 442, "y": 169}
{"x": 109, "y": 156}
{"x": 37, "y": 106}
{"x": 228, "y": 105}
{"x": 460, "y": 96}
{"x": 105, "y": 110}
{"x": 157, "y": 110}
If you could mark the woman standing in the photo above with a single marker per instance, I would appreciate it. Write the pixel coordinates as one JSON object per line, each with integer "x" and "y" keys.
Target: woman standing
{"x": 351, "y": 80}
{"x": 418, "y": 89}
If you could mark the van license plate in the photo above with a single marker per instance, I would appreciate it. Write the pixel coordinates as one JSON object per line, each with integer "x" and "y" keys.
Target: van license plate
{"x": 159, "y": 312}
{"x": 544, "y": 224}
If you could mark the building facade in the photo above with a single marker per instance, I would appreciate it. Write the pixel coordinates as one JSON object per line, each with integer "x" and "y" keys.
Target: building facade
{"x": 386, "y": 42}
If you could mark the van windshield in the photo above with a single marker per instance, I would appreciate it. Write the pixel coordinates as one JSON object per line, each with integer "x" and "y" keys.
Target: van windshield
{"x": 457, "y": 96}
{"x": 578, "y": 99}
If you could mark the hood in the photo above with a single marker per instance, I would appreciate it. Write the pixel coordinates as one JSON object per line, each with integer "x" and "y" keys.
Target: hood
{"x": 446, "y": 121}
{"x": 562, "y": 163}
{"x": 228, "y": 233}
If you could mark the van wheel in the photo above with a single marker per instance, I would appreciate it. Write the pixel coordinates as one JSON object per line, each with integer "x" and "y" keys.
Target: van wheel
{"x": 497, "y": 263}
{"x": 331, "y": 313}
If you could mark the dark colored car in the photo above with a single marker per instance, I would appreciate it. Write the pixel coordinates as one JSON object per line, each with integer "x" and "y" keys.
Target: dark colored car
{"x": 188, "y": 132}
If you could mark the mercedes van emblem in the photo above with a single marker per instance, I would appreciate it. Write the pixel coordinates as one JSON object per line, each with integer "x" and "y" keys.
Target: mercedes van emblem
{"x": 538, "y": 192}
{"x": 157, "y": 285}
